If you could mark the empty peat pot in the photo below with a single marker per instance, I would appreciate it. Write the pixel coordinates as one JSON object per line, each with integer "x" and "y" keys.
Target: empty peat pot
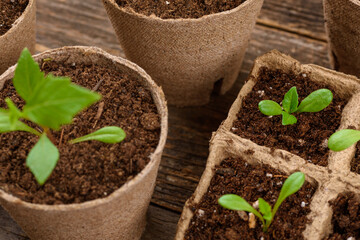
{"x": 342, "y": 22}
{"x": 20, "y": 35}
{"x": 235, "y": 161}
{"x": 121, "y": 214}
{"x": 187, "y": 57}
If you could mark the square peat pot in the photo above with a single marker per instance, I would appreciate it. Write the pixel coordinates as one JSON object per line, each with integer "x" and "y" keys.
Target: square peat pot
{"x": 252, "y": 154}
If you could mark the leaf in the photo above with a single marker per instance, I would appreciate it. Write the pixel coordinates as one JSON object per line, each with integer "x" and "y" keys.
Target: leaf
{"x": 14, "y": 112}
{"x": 316, "y": 101}
{"x": 107, "y": 135}
{"x": 57, "y": 101}
{"x": 343, "y": 139}
{"x": 265, "y": 209}
{"x": 270, "y": 108}
{"x": 237, "y": 203}
{"x": 288, "y": 119}
{"x": 7, "y": 126}
{"x": 290, "y": 101}
{"x": 291, "y": 186}
{"x": 42, "y": 159}
{"x": 27, "y": 75}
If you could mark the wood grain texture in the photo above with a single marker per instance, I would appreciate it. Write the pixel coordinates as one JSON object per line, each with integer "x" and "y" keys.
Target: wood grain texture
{"x": 303, "y": 17}
{"x": 294, "y": 27}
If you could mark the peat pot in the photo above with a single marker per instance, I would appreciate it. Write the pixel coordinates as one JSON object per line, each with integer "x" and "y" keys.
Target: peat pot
{"x": 121, "y": 214}
{"x": 21, "y": 35}
{"x": 189, "y": 58}
{"x": 342, "y": 22}
{"x": 240, "y": 162}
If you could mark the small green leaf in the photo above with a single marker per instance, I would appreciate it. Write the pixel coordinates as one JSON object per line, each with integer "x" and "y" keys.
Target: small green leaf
{"x": 7, "y": 126}
{"x": 290, "y": 102}
{"x": 288, "y": 119}
{"x": 107, "y": 135}
{"x": 270, "y": 108}
{"x": 42, "y": 159}
{"x": 14, "y": 112}
{"x": 343, "y": 139}
{"x": 291, "y": 186}
{"x": 57, "y": 101}
{"x": 316, "y": 101}
{"x": 237, "y": 203}
{"x": 27, "y": 75}
{"x": 265, "y": 209}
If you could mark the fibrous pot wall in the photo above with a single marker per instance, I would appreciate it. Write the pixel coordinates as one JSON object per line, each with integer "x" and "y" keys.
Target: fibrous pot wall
{"x": 342, "y": 22}
{"x": 21, "y": 35}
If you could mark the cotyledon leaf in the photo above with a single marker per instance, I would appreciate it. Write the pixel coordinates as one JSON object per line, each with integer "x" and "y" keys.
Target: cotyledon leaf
{"x": 109, "y": 134}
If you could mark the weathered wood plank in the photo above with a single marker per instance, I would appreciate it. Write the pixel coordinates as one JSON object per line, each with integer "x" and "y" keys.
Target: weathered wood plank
{"x": 9, "y": 230}
{"x": 76, "y": 22}
{"x": 303, "y": 17}
{"x": 161, "y": 224}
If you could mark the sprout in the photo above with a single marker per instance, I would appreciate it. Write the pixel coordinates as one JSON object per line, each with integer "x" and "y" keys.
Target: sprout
{"x": 315, "y": 102}
{"x": 50, "y": 103}
{"x": 266, "y": 214}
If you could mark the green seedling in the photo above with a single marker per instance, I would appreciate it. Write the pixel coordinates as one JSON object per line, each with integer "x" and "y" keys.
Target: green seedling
{"x": 50, "y": 102}
{"x": 315, "y": 102}
{"x": 266, "y": 214}
{"x": 343, "y": 139}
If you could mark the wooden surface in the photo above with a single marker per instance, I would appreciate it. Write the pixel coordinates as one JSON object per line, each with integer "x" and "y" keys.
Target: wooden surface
{"x": 294, "y": 27}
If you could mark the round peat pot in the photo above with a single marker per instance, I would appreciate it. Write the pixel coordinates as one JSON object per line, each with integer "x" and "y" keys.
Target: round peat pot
{"x": 21, "y": 35}
{"x": 121, "y": 215}
{"x": 189, "y": 58}
{"x": 342, "y": 21}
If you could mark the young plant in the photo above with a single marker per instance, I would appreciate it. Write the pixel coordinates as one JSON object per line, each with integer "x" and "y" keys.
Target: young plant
{"x": 343, "y": 139}
{"x": 50, "y": 102}
{"x": 315, "y": 102}
{"x": 234, "y": 202}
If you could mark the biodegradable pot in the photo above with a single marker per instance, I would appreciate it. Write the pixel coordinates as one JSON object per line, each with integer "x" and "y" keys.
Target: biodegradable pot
{"x": 187, "y": 56}
{"x": 342, "y": 22}
{"x": 21, "y": 35}
{"x": 331, "y": 180}
{"x": 121, "y": 215}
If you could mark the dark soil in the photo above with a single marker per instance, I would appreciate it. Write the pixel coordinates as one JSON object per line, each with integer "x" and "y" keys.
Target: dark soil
{"x": 10, "y": 10}
{"x": 235, "y": 176}
{"x": 87, "y": 170}
{"x": 355, "y": 162}
{"x": 346, "y": 217}
{"x": 179, "y": 8}
{"x": 308, "y": 137}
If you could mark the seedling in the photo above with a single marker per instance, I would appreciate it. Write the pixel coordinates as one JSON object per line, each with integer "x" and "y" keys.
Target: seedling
{"x": 50, "y": 102}
{"x": 234, "y": 202}
{"x": 315, "y": 102}
{"x": 343, "y": 139}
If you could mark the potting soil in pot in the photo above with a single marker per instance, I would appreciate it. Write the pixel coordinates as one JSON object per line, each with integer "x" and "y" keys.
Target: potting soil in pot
{"x": 87, "y": 170}
{"x": 355, "y": 162}
{"x": 236, "y": 176}
{"x": 308, "y": 137}
{"x": 179, "y": 8}
{"x": 346, "y": 217}
{"x": 10, "y": 10}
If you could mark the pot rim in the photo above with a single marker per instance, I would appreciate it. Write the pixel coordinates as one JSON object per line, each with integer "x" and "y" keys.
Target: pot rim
{"x": 162, "y": 110}
{"x": 356, "y": 2}
{"x": 20, "y": 19}
{"x": 179, "y": 20}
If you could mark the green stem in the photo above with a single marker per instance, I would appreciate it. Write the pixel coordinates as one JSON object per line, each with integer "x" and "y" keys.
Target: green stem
{"x": 48, "y": 133}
